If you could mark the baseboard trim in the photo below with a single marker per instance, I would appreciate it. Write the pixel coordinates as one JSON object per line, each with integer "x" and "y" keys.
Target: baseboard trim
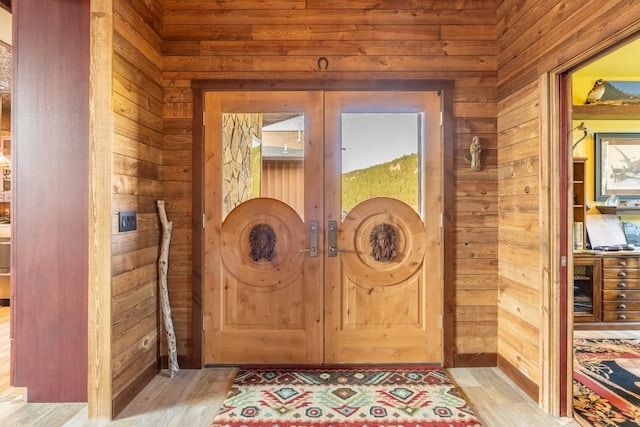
{"x": 129, "y": 393}
{"x": 526, "y": 384}
{"x": 475, "y": 360}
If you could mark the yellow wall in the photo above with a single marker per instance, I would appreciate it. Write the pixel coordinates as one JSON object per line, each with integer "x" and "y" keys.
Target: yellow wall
{"x": 586, "y": 148}
{"x": 620, "y": 65}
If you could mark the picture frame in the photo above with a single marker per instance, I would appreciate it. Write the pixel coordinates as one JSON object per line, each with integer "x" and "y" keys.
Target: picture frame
{"x": 617, "y": 168}
{"x": 632, "y": 232}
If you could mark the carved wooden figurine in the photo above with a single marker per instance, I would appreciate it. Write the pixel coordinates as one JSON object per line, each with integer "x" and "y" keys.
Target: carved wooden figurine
{"x": 475, "y": 150}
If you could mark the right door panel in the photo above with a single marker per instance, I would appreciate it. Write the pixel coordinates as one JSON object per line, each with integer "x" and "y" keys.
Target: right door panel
{"x": 384, "y": 279}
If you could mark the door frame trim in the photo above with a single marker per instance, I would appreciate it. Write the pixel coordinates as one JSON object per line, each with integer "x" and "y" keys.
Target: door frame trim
{"x": 444, "y": 87}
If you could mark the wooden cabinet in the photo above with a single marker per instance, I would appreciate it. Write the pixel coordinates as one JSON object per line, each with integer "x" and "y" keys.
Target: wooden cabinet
{"x": 586, "y": 289}
{"x": 621, "y": 289}
{"x": 606, "y": 290}
{"x": 579, "y": 203}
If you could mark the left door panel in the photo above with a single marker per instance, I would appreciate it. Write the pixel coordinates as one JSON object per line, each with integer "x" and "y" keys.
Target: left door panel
{"x": 263, "y": 296}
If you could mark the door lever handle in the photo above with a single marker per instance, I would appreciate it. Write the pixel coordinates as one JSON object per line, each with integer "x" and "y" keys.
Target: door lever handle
{"x": 333, "y": 238}
{"x": 313, "y": 239}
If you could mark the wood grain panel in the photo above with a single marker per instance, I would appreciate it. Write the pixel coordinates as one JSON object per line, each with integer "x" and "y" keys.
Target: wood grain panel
{"x": 232, "y": 4}
{"x": 99, "y": 381}
{"x": 468, "y": 219}
{"x": 330, "y": 47}
{"x": 135, "y": 140}
{"x": 559, "y": 34}
{"x": 455, "y": 4}
{"x": 511, "y": 346}
{"x": 479, "y": 313}
{"x": 518, "y": 232}
{"x": 50, "y": 253}
{"x": 136, "y": 185}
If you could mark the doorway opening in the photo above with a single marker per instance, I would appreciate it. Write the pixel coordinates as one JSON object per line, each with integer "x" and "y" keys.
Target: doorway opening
{"x": 602, "y": 277}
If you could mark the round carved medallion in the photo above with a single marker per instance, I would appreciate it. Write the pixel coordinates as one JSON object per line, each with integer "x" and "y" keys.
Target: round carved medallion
{"x": 383, "y": 242}
{"x": 262, "y": 239}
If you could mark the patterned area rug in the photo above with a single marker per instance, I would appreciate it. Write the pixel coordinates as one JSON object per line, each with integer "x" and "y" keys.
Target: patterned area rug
{"x": 344, "y": 397}
{"x": 606, "y": 382}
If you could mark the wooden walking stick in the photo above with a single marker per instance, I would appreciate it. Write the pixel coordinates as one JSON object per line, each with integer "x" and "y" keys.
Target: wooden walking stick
{"x": 163, "y": 266}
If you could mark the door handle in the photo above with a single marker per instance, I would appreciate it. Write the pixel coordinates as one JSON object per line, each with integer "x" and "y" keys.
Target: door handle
{"x": 313, "y": 239}
{"x": 333, "y": 238}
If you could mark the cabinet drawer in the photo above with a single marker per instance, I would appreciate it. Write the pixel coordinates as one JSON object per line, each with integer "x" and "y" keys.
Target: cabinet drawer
{"x": 621, "y": 262}
{"x": 617, "y": 295}
{"x": 620, "y": 284}
{"x": 620, "y": 273}
{"x": 621, "y": 305}
{"x": 621, "y": 316}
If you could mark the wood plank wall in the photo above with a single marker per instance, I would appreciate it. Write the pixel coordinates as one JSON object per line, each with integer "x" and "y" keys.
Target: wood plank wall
{"x": 364, "y": 39}
{"x": 534, "y": 37}
{"x": 137, "y": 185}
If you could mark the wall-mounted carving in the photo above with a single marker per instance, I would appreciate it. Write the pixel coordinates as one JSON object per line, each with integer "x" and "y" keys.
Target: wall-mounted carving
{"x": 262, "y": 239}
{"x": 475, "y": 149}
{"x": 383, "y": 242}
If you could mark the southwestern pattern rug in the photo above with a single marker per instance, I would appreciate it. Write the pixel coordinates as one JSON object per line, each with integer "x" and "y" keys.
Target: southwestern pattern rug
{"x": 606, "y": 382}
{"x": 344, "y": 397}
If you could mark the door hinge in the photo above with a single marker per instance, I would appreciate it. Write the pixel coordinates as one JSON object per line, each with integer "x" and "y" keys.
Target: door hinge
{"x": 204, "y": 220}
{"x": 441, "y": 219}
{"x": 203, "y": 322}
{"x": 441, "y": 322}
{"x": 441, "y": 118}
{"x": 202, "y": 117}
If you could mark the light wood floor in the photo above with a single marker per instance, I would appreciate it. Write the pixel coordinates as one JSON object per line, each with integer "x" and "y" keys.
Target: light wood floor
{"x": 193, "y": 397}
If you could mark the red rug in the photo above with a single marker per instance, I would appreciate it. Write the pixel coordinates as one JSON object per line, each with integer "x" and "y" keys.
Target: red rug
{"x": 344, "y": 397}
{"x": 606, "y": 382}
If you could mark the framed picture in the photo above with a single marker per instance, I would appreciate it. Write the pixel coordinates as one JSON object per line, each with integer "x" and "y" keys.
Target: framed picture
{"x": 632, "y": 232}
{"x": 617, "y": 165}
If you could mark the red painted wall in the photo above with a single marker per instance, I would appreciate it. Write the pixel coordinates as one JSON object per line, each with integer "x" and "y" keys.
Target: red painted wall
{"x": 50, "y": 117}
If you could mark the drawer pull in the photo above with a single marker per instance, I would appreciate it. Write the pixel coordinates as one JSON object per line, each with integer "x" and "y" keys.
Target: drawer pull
{"x": 622, "y": 285}
{"x": 622, "y": 274}
{"x": 622, "y": 263}
{"x": 622, "y": 307}
{"x": 622, "y": 296}
{"x": 622, "y": 317}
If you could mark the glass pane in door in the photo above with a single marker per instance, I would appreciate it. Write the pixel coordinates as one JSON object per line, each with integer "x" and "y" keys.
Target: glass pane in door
{"x": 381, "y": 158}
{"x": 263, "y": 156}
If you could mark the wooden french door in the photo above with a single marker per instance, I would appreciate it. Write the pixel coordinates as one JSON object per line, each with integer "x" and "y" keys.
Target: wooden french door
{"x": 294, "y": 272}
{"x": 262, "y": 305}
{"x": 384, "y": 310}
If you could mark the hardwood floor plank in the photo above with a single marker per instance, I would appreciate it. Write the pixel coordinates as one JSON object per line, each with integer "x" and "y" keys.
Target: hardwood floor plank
{"x": 496, "y": 399}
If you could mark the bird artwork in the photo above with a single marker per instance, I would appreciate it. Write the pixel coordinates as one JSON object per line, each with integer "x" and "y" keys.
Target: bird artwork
{"x": 596, "y": 92}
